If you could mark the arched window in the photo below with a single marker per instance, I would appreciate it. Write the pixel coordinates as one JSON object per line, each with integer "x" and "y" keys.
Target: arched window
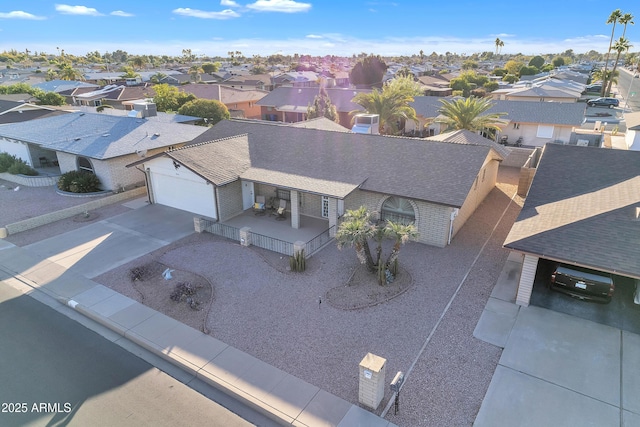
{"x": 399, "y": 210}
{"x": 85, "y": 165}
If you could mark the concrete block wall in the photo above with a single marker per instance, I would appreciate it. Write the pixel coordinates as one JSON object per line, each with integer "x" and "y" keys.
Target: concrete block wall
{"x": 229, "y": 200}
{"x": 311, "y": 205}
{"x": 524, "y": 181}
{"x": 517, "y": 157}
{"x": 67, "y": 162}
{"x": 30, "y": 181}
{"x": 486, "y": 183}
{"x": 38, "y": 221}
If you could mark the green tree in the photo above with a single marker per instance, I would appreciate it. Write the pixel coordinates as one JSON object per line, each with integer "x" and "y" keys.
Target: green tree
{"x": 210, "y": 67}
{"x": 491, "y": 86}
{"x": 401, "y": 234}
{"x": 391, "y": 104}
{"x": 368, "y": 71}
{"x": 129, "y": 73}
{"x": 406, "y": 85}
{"x": 621, "y": 45}
{"x": 258, "y": 69}
{"x": 498, "y": 42}
{"x": 469, "y": 114}
{"x": 469, "y": 64}
{"x": 157, "y": 77}
{"x": 613, "y": 19}
{"x": 537, "y": 61}
{"x": 210, "y": 110}
{"x": 67, "y": 72}
{"x": 528, "y": 71}
{"x": 195, "y": 71}
{"x": 513, "y": 67}
{"x": 322, "y": 107}
{"x": 558, "y": 61}
{"x": 166, "y": 97}
{"x": 50, "y": 98}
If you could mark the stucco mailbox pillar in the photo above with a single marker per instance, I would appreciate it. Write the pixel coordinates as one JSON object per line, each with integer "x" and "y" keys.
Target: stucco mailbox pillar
{"x": 245, "y": 236}
{"x": 372, "y": 373}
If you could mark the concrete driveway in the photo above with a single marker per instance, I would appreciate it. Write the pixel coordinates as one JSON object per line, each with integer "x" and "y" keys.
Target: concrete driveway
{"x": 96, "y": 248}
{"x": 556, "y": 369}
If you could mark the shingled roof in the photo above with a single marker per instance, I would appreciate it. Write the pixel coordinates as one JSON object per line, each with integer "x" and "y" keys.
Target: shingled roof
{"x": 582, "y": 208}
{"x": 100, "y": 136}
{"x": 302, "y": 97}
{"x": 335, "y": 163}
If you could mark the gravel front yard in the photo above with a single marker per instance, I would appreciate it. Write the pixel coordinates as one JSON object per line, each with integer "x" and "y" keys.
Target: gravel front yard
{"x": 275, "y": 315}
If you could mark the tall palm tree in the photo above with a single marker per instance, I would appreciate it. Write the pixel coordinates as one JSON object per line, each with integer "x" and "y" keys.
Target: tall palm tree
{"x": 613, "y": 19}
{"x": 501, "y": 45}
{"x": 498, "y": 41}
{"x": 625, "y": 19}
{"x": 621, "y": 45}
{"x": 468, "y": 113}
{"x": 67, "y": 72}
{"x": 391, "y": 104}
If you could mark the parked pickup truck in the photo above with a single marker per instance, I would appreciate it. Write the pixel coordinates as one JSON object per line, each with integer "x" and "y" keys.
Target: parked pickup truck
{"x": 582, "y": 283}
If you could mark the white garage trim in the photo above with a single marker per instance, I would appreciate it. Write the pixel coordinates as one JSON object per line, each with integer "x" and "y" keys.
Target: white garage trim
{"x": 527, "y": 276}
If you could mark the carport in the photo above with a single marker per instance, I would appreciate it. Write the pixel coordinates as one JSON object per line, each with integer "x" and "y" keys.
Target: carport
{"x": 583, "y": 208}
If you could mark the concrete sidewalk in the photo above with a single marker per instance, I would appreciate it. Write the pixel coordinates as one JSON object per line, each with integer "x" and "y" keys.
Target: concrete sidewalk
{"x": 269, "y": 390}
{"x": 555, "y": 369}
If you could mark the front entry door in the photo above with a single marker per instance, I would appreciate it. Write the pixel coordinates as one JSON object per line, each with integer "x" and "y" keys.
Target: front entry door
{"x": 247, "y": 195}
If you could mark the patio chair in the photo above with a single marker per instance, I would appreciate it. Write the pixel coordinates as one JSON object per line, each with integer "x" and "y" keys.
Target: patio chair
{"x": 259, "y": 207}
{"x": 281, "y": 213}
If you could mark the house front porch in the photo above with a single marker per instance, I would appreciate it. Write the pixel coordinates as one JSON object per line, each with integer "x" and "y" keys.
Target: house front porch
{"x": 267, "y": 232}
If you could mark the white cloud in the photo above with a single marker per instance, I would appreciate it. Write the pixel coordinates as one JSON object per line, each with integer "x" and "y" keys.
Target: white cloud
{"x": 313, "y": 36}
{"x": 195, "y": 13}
{"x": 229, "y": 3}
{"x": 286, "y": 6}
{"x": 18, "y": 14}
{"x": 121, "y": 13}
{"x": 77, "y": 10}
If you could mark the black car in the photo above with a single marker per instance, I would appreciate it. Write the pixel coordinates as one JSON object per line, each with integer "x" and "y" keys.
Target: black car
{"x": 603, "y": 102}
{"x": 582, "y": 283}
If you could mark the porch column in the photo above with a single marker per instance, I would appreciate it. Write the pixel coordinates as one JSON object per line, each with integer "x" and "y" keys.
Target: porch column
{"x": 295, "y": 209}
{"x": 527, "y": 275}
{"x": 333, "y": 216}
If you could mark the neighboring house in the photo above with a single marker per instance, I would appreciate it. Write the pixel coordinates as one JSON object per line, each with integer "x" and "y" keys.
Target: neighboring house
{"x": 254, "y": 81}
{"x": 583, "y": 208}
{"x": 436, "y": 184}
{"x": 96, "y": 143}
{"x": 240, "y": 103}
{"x": 59, "y": 86}
{"x": 538, "y": 93}
{"x": 436, "y": 85}
{"x": 113, "y": 95}
{"x": 13, "y": 112}
{"x": 536, "y": 122}
{"x": 115, "y": 77}
{"x": 297, "y": 79}
{"x": 19, "y": 97}
{"x": 182, "y": 79}
{"x": 632, "y": 136}
{"x": 288, "y": 104}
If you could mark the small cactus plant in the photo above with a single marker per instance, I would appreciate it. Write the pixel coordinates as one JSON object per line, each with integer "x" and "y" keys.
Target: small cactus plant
{"x": 298, "y": 262}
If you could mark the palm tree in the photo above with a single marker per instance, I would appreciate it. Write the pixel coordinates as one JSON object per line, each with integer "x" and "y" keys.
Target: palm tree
{"x": 194, "y": 72}
{"x": 613, "y": 19}
{"x": 468, "y": 114}
{"x": 498, "y": 41}
{"x": 67, "y": 72}
{"x": 355, "y": 231}
{"x": 627, "y": 18}
{"x": 622, "y": 45}
{"x": 501, "y": 45}
{"x": 391, "y": 104}
{"x": 401, "y": 233}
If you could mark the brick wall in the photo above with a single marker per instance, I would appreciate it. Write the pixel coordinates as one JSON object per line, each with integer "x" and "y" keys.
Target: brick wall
{"x": 30, "y": 181}
{"x": 38, "y": 221}
{"x": 229, "y": 200}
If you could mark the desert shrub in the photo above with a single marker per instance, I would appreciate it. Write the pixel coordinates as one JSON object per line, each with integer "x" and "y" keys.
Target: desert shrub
{"x": 79, "y": 182}
{"x": 139, "y": 273}
{"x": 19, "y": 167}
{"x": 186, "y": 291}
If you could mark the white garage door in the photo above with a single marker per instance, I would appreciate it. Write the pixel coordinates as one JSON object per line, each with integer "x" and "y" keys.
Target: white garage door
{"x": 188, "y": 195}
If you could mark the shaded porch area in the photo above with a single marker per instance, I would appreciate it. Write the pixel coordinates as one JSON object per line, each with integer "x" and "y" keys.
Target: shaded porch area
{"x": 278, "y": 236}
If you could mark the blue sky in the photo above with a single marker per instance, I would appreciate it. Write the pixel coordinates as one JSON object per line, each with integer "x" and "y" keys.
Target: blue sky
{"x": 316, "y": 27}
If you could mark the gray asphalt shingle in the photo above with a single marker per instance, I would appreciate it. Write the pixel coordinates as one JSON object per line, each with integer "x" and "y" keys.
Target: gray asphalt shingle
{"x": 581, "y": 209}
{"x": 100, "y": 136}
{"x": 438, "y": 172}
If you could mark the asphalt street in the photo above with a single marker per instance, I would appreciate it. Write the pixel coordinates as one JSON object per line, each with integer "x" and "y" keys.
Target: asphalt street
{"x": 56, "y": 372}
